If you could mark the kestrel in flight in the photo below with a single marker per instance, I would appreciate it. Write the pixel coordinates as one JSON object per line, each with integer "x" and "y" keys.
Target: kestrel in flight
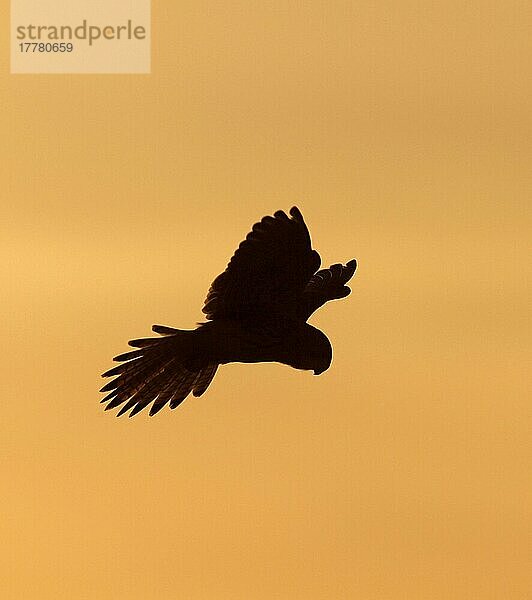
{"x": 256, "y": 310}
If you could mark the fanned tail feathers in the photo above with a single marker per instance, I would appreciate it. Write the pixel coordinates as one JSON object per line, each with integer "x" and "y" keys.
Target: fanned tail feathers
{"x": 160, "y": 370}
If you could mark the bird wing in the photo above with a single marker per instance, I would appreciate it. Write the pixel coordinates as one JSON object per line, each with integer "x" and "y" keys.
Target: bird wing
{"x": 326, "y": 284}
{"x": 267, "y": 273}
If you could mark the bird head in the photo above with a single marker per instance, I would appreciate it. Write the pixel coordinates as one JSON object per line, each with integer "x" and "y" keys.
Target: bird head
{"x": 310, "y": 350}
{"x": 323, "y": 357}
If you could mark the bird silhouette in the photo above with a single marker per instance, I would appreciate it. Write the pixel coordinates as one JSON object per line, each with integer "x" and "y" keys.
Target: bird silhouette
{"x": 256, "y": 310}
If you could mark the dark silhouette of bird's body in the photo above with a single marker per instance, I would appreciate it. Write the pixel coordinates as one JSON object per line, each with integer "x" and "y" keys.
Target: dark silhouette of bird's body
{"x": 257, "y": 311}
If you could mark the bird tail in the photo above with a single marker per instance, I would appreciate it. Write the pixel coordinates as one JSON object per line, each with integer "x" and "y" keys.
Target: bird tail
{"x": 161, "y": 370}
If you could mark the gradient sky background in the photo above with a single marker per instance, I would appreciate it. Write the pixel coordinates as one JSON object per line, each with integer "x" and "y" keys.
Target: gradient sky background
{"x": 402, "y": 130}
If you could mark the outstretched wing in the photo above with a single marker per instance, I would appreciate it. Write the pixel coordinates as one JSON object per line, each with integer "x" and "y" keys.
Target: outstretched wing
{"x": 268, "y": 272}
{"x": 326, "y": 284}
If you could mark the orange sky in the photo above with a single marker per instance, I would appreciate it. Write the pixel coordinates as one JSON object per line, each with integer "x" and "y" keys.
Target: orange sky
{"x": 402, "y": 131}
